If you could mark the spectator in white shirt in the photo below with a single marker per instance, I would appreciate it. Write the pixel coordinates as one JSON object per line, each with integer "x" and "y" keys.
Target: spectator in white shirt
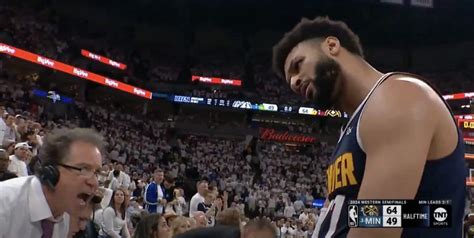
{"x": 66, "y": 181}
{"x": 202, "y": 187}
{"x": 122, "y": 179}
{"x": 299, "y": 205}
{"x": 304, "y": 216}
{"x": 3, "y": 126}
{"x": 10, "y": 131}
{"x": 286, "y": 230}
{"x": 289, "y": 210}
{"x": 114, "y": 184}
{"x": 17, "y": 161}
{"x": 114, "y": 222}
{"x": 299, "y": 233}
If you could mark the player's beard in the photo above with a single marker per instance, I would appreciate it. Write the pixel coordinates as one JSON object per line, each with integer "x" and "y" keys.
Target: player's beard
{"x": 327, "y": 72}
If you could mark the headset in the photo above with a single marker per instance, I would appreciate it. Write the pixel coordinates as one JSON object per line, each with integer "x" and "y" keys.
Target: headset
{"x": 47, "y": 174}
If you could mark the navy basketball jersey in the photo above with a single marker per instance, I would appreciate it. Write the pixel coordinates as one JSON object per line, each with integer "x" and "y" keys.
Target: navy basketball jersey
{"x": 442, "y": 179}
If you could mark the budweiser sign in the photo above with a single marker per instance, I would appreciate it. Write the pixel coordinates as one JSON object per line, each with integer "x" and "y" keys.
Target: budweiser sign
{"x": 271, "y": 134}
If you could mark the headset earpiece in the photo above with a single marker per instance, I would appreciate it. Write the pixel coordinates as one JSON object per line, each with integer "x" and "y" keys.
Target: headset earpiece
{"x": 49, "y": 175}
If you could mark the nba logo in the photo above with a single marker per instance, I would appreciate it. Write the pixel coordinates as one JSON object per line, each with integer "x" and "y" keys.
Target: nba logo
{"x": 353, "y": 215}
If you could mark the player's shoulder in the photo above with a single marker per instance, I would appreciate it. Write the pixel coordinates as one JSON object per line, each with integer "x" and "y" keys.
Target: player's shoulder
{"x": 402, "y": 95}
{"x": 401, "y": 101}
{"x": 402, "y": 87}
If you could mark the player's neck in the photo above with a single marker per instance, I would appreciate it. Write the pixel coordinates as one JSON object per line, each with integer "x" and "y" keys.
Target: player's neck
{"x": 55, "y": 205}
{"x": 360, "y": 77}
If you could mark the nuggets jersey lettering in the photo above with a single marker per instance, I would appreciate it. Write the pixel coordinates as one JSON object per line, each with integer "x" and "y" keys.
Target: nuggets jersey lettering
{"x": 442, "y": 179}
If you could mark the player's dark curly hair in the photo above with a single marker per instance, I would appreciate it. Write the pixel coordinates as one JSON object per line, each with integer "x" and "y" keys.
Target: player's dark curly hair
{"x": 317, "y": 28}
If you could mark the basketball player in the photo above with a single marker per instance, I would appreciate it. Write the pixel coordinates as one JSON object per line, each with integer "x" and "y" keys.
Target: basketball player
{"x": 401, "y": 141}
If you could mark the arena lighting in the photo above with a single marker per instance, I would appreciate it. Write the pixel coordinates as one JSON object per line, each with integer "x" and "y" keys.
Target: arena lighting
{"x": 247, "y": 105}
{"x": 103, "y": 59}
{"x": 55, "y": 97}
{"x": 457, "y": 96}
{"x": 214, "y": 80}
{"x": 53, "y": 64}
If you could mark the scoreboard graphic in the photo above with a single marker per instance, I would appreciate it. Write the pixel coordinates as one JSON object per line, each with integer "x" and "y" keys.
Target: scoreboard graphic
{"x": 399, "y": 213}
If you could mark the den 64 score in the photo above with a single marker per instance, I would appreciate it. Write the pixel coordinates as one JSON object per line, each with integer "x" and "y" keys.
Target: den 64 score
{"x": 399, "y": 213}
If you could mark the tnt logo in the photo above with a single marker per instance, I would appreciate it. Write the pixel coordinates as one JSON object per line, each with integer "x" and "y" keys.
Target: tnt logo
{"x": 440, "y": 214}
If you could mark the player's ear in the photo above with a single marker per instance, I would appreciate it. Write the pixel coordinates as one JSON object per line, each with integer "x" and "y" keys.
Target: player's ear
{"x": 331, "y": 46}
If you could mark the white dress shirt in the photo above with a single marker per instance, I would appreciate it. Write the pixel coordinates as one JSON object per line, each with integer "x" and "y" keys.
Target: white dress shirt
{"x": 17, "y": 166}
{"x": 22, "y": 208}
{"x": 193, "y": 205}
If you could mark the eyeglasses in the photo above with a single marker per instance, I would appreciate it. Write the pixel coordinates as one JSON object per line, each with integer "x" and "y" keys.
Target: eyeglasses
{"x": 82, "y": 171}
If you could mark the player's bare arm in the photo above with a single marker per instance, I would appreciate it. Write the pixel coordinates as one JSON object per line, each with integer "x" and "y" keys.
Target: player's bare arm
{"x": 396, "y": 130}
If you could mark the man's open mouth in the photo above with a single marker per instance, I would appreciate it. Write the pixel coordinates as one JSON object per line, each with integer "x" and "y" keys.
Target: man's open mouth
{"x": 84, "y": 198}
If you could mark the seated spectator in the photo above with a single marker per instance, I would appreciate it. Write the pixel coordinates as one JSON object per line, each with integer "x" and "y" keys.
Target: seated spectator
{"x": 114, "y": 222}
{"x": 152, "y": 226}
{"x": 180, "y": 225}
{"x": 17, "y": 161}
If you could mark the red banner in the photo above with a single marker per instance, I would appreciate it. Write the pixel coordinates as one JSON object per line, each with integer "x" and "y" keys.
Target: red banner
{"x": 468, "y": 116}
{"x": 53, "y": 64}
{"x": 271, "y": 134}
{"x": 459, "y": 96}
{"x": 103, "y": 59}
{"x": 213, "y": 80}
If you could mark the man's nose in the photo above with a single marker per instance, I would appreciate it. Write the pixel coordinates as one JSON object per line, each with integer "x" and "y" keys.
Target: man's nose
{"x": 93, "y": 182}
{"x": 295, "y": 83}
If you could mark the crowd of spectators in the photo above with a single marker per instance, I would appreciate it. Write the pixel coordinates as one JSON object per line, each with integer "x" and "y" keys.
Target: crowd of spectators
{"x": 42, "y": 32}
{"x": 203, "y": 181}
{"x": 267, "y": 182}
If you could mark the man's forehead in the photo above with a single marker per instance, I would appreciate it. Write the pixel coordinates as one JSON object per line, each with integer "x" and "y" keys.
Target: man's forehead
{"x": 289, "y": 57}
{"x": 94, "y": 161}
{"x": 301, "y": 46}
